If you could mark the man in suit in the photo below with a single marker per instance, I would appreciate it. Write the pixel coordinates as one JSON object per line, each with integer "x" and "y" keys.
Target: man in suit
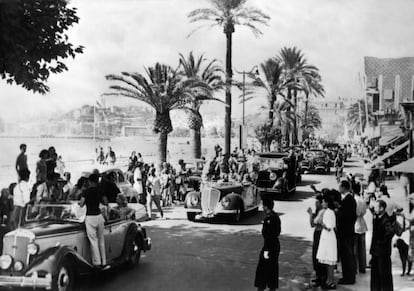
{"x": 346, "y": 233}
{"x": 382, "y": 233}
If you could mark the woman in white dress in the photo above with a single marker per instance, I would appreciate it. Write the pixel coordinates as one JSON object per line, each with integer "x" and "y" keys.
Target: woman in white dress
{"x": 327, "y": 250}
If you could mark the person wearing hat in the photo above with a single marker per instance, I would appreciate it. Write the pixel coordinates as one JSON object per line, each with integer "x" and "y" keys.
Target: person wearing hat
{"x": 94, "y": 220}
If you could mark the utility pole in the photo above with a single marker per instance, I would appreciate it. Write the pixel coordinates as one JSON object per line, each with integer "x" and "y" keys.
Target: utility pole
{"x": 243, "y": 126}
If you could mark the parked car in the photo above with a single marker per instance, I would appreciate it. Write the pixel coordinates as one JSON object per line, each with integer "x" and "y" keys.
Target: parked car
{"x": 195, "y": 169}
{"x": 51, "y": 249}
{"x": 278, "y": 175}
{"x": 215, "y": 199}
{"x": 316, "y": 160}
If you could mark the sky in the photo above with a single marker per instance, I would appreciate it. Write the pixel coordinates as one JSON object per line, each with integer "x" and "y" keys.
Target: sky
{"x": 128, "y": 35}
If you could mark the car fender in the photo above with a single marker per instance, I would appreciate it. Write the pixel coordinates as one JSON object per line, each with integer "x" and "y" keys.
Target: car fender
{"x": 187, "y": 203}
{"x": 49, "y": 260}
{"x": 236, "y": 202}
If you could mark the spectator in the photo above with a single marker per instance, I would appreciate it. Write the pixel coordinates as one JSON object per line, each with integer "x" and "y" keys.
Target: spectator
{"x": 41, "y": 167}
{"x": 122, "y": 210}
{"x": 21, "y": 197}
{"x": 138, "y": 183}
{"x": 154, "y": 193}
{"x": 6, "y": 206}
{"x": 110, "y": 156}
{"x": 77, "y": 190}
{"x": 21, "y": 161}
{"x": 60, "y": 166}
{"x": 382, "y": 233}
{"x": 51, "y": 161}
{"x": 327, "y": 249}
{"x": 346, "y": 233}
{"x": 360, "y": 230}
{"x": 49, "y": 191}
{"x": 392, "y": 207}
{"x": 68, "y": 187}
{"x": 109, "y": 187}
{"x": 315, "y": 219}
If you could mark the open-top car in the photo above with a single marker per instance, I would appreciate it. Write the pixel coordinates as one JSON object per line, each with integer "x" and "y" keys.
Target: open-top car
{"x": 316, "y": 160}
{"x": 50, "y": 248}
{"x": 221, "y": 199}
{"x": 195, "y": 170}
{"x": 278, "y": 175}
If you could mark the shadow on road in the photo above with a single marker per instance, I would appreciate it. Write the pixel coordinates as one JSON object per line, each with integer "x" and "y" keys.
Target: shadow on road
{"x": 308, "y": 182}
{"x": 193, "y": 257}
{"x": 298, "y": 196}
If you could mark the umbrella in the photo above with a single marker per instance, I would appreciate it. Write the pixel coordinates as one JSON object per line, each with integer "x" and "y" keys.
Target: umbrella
{"x": 404, "y": 167}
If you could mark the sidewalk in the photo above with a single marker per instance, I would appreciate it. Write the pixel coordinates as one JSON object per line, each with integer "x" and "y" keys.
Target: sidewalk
{"x": 400, "y": 283}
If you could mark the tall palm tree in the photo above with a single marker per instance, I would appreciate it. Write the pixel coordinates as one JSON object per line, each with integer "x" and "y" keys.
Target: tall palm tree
{"x": 228, "y": 14}
{"x": 300, "y": 76}
{"x": 211, "y": 74}
{"x": 356, "y": 116}
{"x": 310, "y": 120}
{"x": 273, "y": 84}
{"x": 164, "y": 89}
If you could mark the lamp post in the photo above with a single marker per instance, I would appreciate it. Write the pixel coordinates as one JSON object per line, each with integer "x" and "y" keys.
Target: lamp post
{"x": 408, "y": 107}
{"x": 254, "y": 70}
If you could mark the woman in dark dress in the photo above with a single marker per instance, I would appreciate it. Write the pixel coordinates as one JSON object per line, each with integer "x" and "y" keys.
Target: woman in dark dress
{"x": 267, "y": 272}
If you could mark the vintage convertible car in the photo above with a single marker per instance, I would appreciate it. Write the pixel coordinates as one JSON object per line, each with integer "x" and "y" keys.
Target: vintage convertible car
{"x": 195, "y": 169}
{"x": 278, "y": 175}
{"x": 226, "y": 198}
{"x": 50, "y": 248}
{"x": 316, "y": 160}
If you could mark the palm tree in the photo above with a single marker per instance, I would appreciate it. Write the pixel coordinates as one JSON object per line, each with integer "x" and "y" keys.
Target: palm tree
{"x": 228, "y": 14}
{"x": 273, "y": 84}
{"x": 266, "y": 133}
{"x": 300, "y": 77}
{"x": 310, "y": 120}
{"x": 211, "y": 75}
{"x": 164, "y": 89}
{"x": 356, "y": 116}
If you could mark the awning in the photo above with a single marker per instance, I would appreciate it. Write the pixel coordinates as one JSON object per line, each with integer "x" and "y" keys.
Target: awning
{"x": 388, "y": 139}
{"x": 404, "y": 167}
{"x": 390, "y": 153}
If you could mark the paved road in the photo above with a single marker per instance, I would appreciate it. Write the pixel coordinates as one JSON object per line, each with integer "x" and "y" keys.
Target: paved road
{"x": 219, "y": 256}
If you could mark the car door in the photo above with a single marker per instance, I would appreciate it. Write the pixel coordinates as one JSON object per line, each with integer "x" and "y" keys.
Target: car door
{"x": 249, "y": 195}
{"x": 114, "y": 238}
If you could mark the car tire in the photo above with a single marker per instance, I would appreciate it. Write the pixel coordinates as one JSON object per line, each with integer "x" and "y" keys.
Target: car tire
{"x": 191, "y": 216}
{"x": 64, "y": 279}
{"x": 328, "y": 170}
{"x": 239, "y": 213}
{"x": 133, "y": 249}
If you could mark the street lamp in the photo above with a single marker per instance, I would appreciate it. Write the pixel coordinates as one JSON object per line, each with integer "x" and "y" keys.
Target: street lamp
{"x": 254, "y": 70}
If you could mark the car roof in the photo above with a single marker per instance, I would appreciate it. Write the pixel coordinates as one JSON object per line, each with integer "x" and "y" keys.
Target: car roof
{"x": 273, "y": 155}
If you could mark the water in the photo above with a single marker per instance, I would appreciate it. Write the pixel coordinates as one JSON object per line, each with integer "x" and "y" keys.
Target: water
{"x": 79, "y": 154}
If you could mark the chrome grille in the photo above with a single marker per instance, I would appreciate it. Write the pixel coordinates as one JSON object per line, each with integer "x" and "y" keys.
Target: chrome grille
{"x": 209, "y": 199}
{"x": 16, "y": 246}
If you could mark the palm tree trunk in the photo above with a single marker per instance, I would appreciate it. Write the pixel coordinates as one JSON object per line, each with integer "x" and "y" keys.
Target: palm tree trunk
{"x": 162, "y": 146}
{"x": 306, "y": 121}
{"x": 196, "y": 137}
{"x": 271, "y": 113}
{"x": 295, "y": 122}
{"x": 227, "y": 118}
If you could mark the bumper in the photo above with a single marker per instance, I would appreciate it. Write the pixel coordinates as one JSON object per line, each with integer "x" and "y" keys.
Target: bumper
{"x": 22, "y": 281}
{"x": 270, "y": 190}
{"x": 320, "y": 168}
{"x": 196, "y": 210}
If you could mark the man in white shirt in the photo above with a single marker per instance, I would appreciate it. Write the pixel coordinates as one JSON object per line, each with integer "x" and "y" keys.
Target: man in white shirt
{"x": 360, "y": 230}
{"x": 21, "y": 196}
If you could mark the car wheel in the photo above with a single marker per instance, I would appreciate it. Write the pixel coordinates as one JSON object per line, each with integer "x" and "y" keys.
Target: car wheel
{"x": 191, "y": 216}
{"x": 328, "y": 170}
{"x": 64, "y": 279}
{"x": 239, "y": 213}
{"x": 133, "y": 251}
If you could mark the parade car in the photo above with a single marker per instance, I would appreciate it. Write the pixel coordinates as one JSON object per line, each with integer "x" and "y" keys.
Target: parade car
{"x": 195, "y": 170}
{"x": 225, "y": 199}
{"x": 316, "y": 160}
{"x": 278, "y": 175}
{"x": 51, "y": 249}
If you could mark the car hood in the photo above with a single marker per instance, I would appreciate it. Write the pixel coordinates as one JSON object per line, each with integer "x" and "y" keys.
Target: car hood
{"x": 47, "y": 228}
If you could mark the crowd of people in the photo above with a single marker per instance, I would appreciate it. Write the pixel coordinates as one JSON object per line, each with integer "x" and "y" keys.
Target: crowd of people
{"x": 339, "y": 233}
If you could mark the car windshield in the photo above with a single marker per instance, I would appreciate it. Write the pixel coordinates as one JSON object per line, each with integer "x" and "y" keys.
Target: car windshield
{"x": 55, "y": 212}
{"x": 271, "y": 163}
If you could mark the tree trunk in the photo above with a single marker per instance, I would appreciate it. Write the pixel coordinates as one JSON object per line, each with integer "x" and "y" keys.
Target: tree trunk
{"x": 162, "y": 146}
{"x": 196, "y": 137}
{"x": 271, "y": 113}
{"x": 229, "y": 73}
{"x": 295, "y": 121}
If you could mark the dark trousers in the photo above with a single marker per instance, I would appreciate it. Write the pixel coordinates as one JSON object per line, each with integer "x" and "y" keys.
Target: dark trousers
{"x": 319, "y": 268}
{"x": 360, "y": 253}
{"x": 381, "y": 276}
{"x": 346, "y": 252}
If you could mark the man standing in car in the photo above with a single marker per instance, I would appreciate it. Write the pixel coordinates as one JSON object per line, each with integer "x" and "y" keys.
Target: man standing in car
{"x": 21, "y": 161}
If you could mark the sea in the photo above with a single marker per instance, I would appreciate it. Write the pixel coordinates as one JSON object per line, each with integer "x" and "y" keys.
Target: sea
{"x": 79, "y": 154}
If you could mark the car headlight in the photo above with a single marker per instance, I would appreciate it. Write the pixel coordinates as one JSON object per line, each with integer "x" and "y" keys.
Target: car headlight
{"x": 194, "y": 200}
{"x": 18, "y": 266}
{"x": 273, "y": 176}
{"x": 32, "y": 249}
{"x": 5, "y": 262}
{"x": 225, "y": 202}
